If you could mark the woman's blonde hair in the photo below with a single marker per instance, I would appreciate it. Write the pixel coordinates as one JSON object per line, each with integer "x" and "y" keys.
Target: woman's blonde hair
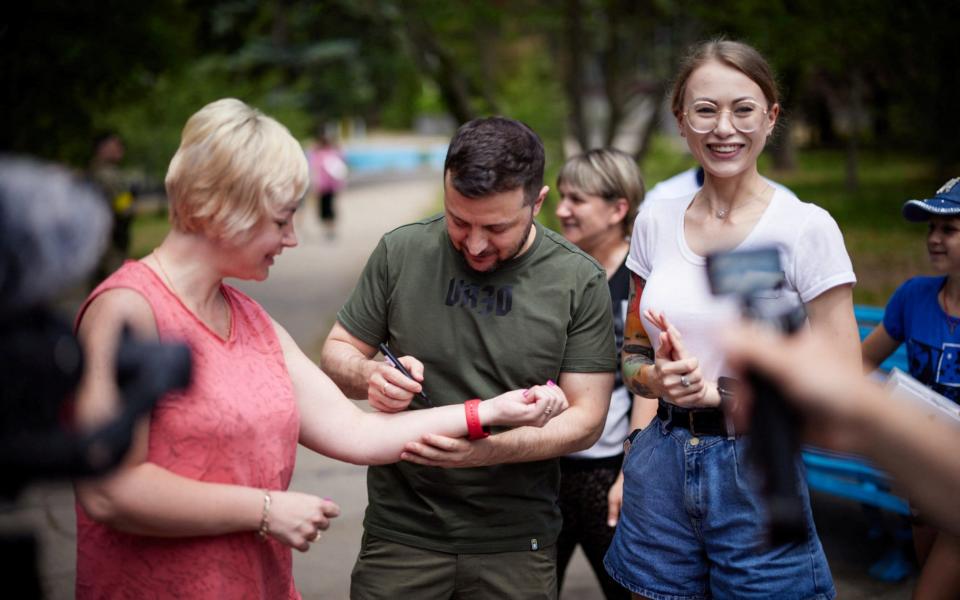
{"x": 234, "y": 166}
{"x": 608, "y": 173}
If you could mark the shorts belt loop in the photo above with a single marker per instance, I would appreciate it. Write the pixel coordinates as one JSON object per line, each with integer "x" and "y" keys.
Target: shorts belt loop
{"x": 668, "y": 421}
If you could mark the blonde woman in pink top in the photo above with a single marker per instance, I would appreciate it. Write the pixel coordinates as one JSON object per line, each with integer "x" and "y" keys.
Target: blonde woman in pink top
{"x": 200, "y": 508}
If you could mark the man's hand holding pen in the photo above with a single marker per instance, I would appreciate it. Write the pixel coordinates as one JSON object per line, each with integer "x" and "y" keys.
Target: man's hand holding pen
{"x": 393, "y": 383}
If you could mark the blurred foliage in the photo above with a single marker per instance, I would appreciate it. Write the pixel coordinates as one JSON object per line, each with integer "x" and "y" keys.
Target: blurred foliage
{"x": 884, "y": 247}
{"x": 65, "y": 64}
{"x": 146, "y": 234}
{"x": 858, "y": 75}
{"x": 868, "y": 86}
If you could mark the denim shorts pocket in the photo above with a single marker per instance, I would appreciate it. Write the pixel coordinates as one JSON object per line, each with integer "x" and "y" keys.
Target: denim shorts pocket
{"x": 638, "y": 436}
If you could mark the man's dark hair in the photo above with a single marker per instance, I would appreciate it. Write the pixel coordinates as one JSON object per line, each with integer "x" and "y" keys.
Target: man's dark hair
{"x": 493, "y": 155}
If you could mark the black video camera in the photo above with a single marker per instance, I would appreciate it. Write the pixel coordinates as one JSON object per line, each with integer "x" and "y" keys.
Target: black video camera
{"x": 756, "y": 278}
{"x": 53, "y": 229}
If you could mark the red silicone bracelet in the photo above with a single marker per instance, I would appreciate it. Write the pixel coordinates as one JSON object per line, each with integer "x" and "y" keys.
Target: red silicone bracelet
{"x": 475, "y": 430}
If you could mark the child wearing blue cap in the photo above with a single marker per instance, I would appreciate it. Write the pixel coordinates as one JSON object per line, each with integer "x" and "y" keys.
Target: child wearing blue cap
{"x": 924, "y": 313}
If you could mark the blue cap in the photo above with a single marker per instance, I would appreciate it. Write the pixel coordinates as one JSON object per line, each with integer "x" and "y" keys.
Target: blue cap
{"x": 946, "y": 203}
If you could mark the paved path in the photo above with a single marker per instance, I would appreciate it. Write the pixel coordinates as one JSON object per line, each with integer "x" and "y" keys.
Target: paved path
{"x": 305, "y": 289}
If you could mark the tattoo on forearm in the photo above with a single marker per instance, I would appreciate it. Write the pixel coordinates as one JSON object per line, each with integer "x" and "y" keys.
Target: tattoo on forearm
{"x": 632, "y": 365}
{"x": 637, "y": 349}
{"x": 646, "y": 351}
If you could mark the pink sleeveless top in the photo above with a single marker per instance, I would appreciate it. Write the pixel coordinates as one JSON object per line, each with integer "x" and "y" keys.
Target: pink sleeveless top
{"x": 237, "y": 423}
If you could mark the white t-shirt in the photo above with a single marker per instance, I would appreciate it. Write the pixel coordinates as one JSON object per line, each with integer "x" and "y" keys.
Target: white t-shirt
{"x": 615, "y": 429}
{"x": 812, "y": 254}
{"x": 685, "y": 184}
{"x": 617, "y": 426}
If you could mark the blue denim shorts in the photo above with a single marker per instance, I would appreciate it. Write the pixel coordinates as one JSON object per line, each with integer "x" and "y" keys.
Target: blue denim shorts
{"x": 692, "y": 525}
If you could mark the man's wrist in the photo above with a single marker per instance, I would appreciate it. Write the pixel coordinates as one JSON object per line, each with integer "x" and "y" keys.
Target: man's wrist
{"x": 368, "y": 370}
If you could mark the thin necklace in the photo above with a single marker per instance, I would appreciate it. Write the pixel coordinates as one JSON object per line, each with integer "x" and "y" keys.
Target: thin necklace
{"x": 952, "y": 321}
{"x": 173, "y": 288}
{"x": 722, "y": 213}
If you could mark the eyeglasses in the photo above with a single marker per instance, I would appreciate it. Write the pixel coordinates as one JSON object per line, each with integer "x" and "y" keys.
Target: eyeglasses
{"x": 746, "y": 116}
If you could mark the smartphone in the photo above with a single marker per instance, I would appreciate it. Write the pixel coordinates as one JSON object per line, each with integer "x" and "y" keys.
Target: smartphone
{"x": 745, "y": 272}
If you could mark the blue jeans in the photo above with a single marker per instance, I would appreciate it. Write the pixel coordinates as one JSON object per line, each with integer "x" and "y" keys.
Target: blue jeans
{"x": 692, "y": 525}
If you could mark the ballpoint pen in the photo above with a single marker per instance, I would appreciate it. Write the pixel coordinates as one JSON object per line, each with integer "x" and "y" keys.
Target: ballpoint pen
{"x": 396, "y": 363}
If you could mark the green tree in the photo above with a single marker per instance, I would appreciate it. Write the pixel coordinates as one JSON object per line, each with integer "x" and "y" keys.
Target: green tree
{"x": 63, "y": 62}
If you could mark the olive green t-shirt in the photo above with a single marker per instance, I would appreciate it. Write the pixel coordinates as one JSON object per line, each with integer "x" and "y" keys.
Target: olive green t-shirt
{"x": 478, "y": 335}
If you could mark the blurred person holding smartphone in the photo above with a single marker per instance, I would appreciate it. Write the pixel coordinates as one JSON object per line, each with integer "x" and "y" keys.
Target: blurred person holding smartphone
{"x": 845, "y": 411}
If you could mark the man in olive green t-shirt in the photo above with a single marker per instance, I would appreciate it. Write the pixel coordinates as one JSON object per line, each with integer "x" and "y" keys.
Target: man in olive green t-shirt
{"x": 478, "y": 300}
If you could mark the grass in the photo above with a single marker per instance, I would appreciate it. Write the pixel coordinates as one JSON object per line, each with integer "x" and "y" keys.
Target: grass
{"x": 884, "y": 247}
{"x": 148, "y": 231}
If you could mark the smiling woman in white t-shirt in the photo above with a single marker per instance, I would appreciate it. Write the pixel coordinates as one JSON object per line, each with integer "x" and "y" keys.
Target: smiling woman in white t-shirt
{"x": 692, "y": 522}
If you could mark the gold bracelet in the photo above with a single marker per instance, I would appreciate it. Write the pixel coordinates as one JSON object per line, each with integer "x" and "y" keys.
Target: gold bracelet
{"x": 265, "y": 516}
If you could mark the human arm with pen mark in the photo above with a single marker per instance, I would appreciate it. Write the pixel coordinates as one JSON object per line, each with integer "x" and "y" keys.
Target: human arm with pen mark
{"x": 330, "y": 424}
{"x": 577, "y": 428}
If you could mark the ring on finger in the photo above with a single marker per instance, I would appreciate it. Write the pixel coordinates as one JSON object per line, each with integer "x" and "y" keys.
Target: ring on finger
{"x": 548, "y": 410}
{"x": 684, "y": 381}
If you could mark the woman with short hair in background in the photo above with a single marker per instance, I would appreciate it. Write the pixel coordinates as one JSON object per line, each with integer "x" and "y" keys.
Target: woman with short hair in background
{"x": 600, "y": 191}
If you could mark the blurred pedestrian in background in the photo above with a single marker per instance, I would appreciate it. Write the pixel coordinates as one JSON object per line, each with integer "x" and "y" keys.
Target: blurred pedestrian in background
{"x": 118, "y": 191}
{"x": 328, "y": 175}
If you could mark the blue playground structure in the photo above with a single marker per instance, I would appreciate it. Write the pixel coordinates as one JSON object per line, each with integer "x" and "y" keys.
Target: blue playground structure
{"x": 853, "y": 477}
{"x": 847, "y": 475}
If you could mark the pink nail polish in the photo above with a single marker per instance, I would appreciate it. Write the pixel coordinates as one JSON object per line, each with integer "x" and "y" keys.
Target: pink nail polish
{"x": 550, "y": 382}
{"x": 526, "y": 393}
